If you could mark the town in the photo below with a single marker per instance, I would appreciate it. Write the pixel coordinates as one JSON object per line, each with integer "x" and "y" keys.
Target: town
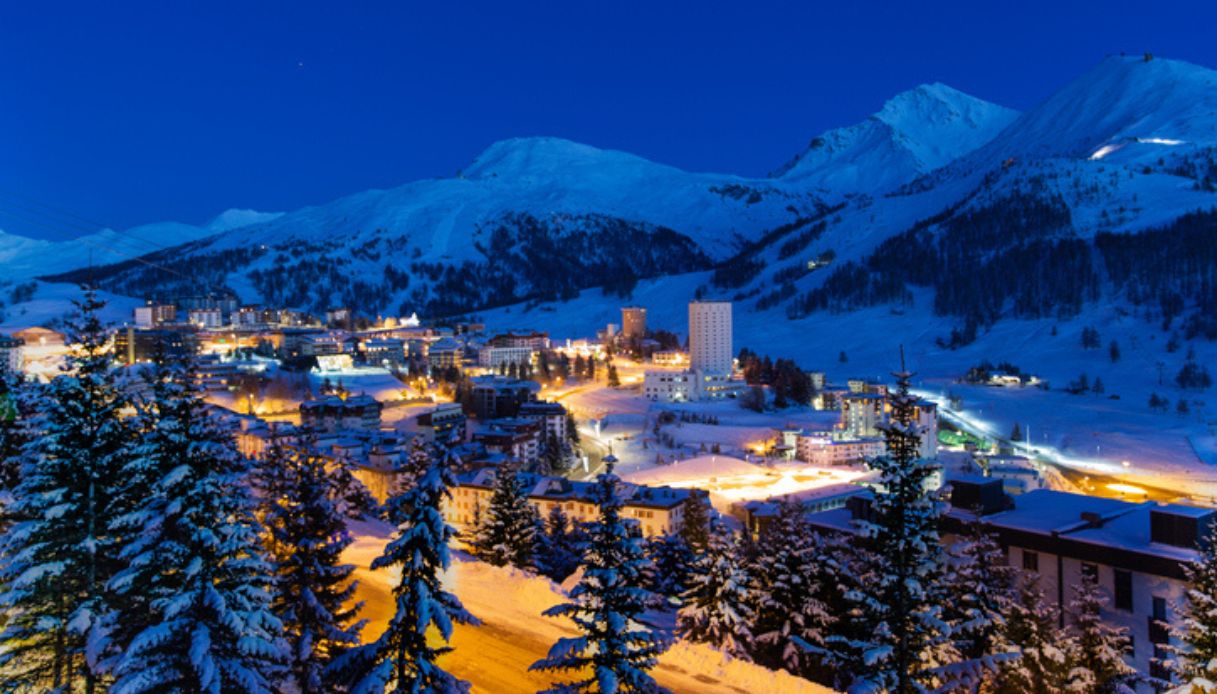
{"x": 693, "y": 427}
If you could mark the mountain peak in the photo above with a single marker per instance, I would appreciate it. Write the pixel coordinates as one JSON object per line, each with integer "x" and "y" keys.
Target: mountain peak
{"x": 915, "y": 132}
{"x": 544, "y": 157}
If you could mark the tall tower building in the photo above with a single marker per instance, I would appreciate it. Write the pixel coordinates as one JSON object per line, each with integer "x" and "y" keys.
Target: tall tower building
{"x": 634, "y": 322}
{"x": 710, "y": 336}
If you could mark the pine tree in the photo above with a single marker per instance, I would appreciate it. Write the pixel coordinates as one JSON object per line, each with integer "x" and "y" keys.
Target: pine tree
{"x": 614, "y": 651}
{"x": 572, "y": 430}
{"x": 695, "y": 528}
{"x": 56, "y": 559}
{"x": 506, "y": 536}
{"x": 613, "y": 380}
{"x": 1096, "y": 648}
{"x": 671, "y": 561}
{"x": 718, "y": 604}
{"x": 402, "y": 660}
{"x": 1017, "y": 434}
{"x": 905, "y": 642}
{"x": 787, "y": 616}
{"x": 305, "y": 509}
{"x": 1198, "y": 616}
{"x": 981, "y": 590}
{"x": 1031, "y": 626}
{"x": 16, "y": 409}
{"x": 195, "y": 610}
{"x": 558, "y": 545}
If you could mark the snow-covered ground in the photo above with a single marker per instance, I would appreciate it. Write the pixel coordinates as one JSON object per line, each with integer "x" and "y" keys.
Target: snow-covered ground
{"x": 1162, "y": 448}
{"x": 495, "y": 656}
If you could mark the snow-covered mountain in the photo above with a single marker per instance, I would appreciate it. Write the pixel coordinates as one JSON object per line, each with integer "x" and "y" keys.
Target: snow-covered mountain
{"x": 914, "y": 133}
{"x": 937, "y": 190}
{"x": 23, "y": 257}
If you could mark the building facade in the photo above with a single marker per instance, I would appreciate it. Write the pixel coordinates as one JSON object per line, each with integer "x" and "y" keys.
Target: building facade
{"x": 710, "y": 336}
{"x": 634, "y": 322}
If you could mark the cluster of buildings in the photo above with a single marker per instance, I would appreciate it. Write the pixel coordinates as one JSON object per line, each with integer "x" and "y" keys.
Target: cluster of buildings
{"x": 709, "y": 373}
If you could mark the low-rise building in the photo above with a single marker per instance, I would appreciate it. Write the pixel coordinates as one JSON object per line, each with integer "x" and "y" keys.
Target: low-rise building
{"x": 514, "y": 438}
{"x": 551, "y": 415}
{"x": 205, "y": 318}
{"x": 332, "y": 413}
{"x": 133, "y": 346}
{"x": 443, "y": 425}
{"x": 757, "y": 513}
{"x": 669, "y": 357}
{"x": 1136, "y": 551}
{"x": 386, "y": 351}
{"x": 823, "y": 449}
{"x": 669, "y": 386}
{"x": 491, "y": 357}
{"x": 496, "y": 397}
{"x": 652, "y": 510}
{"x": 445, "y": 353}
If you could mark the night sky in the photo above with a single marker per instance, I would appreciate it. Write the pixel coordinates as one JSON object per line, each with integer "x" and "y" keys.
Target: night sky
{"x": 130, "y": 112}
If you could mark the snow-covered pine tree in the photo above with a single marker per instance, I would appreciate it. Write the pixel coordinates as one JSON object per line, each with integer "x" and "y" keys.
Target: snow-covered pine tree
{"x": 558, "y": 545}
{"x": 1032, "y": 627}
{"x": 786, "y": 614}
{"x": 695, "y": 529}
{"x": 56, "y": 558}
{"x": 671, "y": 561}
{"x": 507, "y": 535}
{"x": 402, "y": 660}
{"x": 981, "y": 590}
{"x": 1096, "y": 648}
{"x": 906, "y": 641}
{"x": 305, "y": 518}
{"x": 718, "y": 604}
{"x": 1197, "y": 659}
{"x": 195, "y": 610}
{"x": 615, "y": 651}
{"x": 16, "y": 409}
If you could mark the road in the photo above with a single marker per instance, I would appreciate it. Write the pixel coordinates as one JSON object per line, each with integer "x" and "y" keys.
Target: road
{"x": 1089, "y": 479}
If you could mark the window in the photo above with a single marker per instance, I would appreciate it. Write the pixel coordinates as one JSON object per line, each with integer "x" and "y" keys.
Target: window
{"x": 1159, "y": 608}
{"x": 1031, "y": 561}
{"x": 1123, "y": 590}
{"x": 1090, "y": 571}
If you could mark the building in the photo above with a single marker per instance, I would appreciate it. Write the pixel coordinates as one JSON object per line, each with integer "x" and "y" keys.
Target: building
{"x": 497, "y": 397}
{"x": 670, "y": 357}
{"x": 514, "y": 438}
{"x": 491, "y": 357}
{"x": 11, "y": 354}
{"x": 669, "y": 386}
{"x": 445, "y": 424}
{"x": 332, "y": 413}
{"x": 1137, "y": 552}
{"x": 862, "y": 414}
{"x": 1017, "y": 473}
{"x": 133, "y": 346}
{"x": 205, "y": 318}
{"x": 338, "y": 318}
{"x": 757, "y": 513}
{"x": 710, "y": 337}
{"x": 386, "y": 351}
{"x": 40, "y": 337}
{"x": 214, "y": 374}
{"x": 551, "y": 415}
{"x": 322, "y": 344}
{"x": 633, "y": 322}
{"x": 445, "y": 353}
{"x": 154, "y": 315}
{"x": 536, "y": 341}
{"x": 822, "y": 449}
{"x": 652, "y": 510}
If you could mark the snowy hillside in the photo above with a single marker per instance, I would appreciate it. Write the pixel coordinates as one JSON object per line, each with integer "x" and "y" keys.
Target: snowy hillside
{"x": 916, "y": 132}
{"x": 23, "y": 257}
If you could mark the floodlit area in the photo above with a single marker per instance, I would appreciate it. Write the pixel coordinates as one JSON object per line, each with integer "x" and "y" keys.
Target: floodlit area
{"x": 739, "y": 480}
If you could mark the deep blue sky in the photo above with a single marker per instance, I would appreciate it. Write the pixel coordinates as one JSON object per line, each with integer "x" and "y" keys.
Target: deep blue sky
{"x": 133, "y": 112}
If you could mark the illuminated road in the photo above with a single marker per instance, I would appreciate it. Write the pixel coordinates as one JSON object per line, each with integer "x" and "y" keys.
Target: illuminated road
{"x": 1096, "y": 478}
